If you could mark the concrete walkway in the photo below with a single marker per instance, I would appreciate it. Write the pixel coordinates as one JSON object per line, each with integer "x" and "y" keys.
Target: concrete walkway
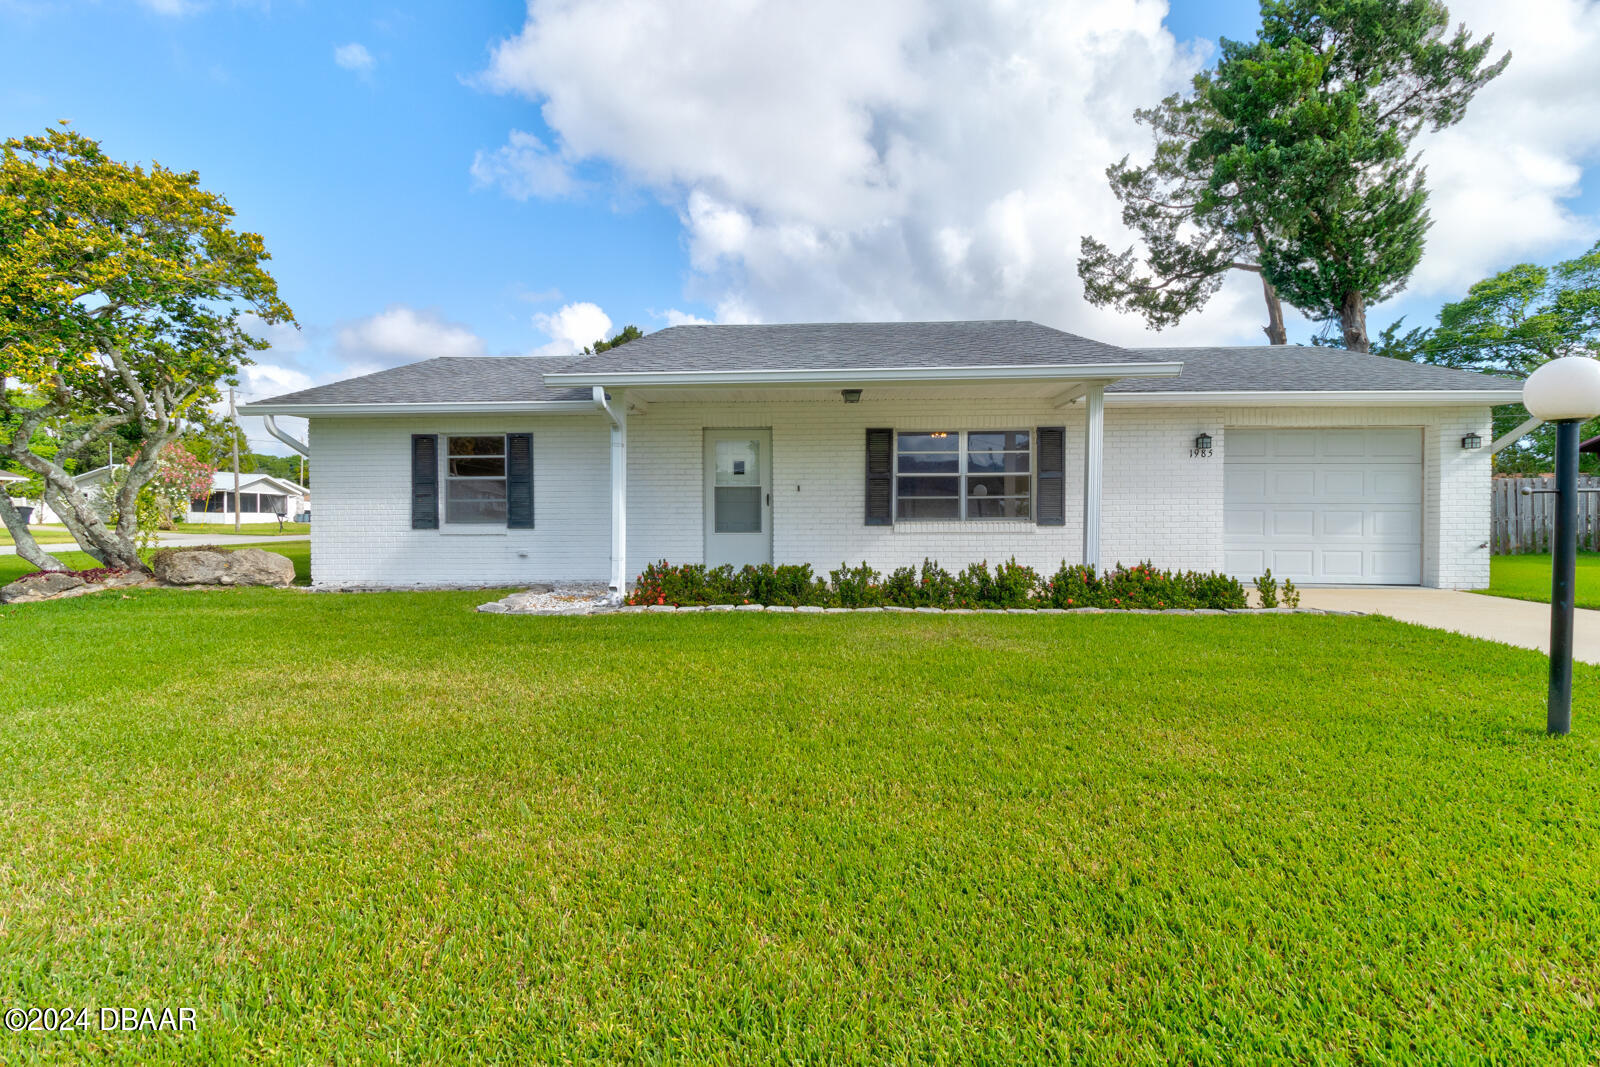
{"x": 180, "y": 540}
{"x": 1523, "y": 623}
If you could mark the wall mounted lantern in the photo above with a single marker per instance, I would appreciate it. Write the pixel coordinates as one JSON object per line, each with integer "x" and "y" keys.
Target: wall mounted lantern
{"x": 851, "y": 396}
{"x": 1472, "y": 440}
{"x": 1202, "y": 446}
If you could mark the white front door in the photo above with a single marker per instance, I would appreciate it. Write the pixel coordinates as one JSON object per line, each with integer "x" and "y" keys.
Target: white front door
{"x": 1338, "y": 506}
{"x": 738, "y": 497}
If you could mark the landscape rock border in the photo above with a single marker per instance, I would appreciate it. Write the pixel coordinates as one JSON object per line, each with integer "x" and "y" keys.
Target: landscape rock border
{"x": 513, "y": 605}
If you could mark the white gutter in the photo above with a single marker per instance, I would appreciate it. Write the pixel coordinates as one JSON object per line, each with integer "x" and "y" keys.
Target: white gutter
{"x": 1312, "y": 397}
{"x": 453, "y": 407}
{"x": 619, "y": 492}
{"x": 287, "y": 438}
{"x": 1513, "y": 436}
{"x": 877, "y": 375}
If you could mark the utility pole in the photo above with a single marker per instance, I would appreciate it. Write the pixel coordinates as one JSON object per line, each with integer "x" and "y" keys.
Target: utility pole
{"x": 233, "y": 419}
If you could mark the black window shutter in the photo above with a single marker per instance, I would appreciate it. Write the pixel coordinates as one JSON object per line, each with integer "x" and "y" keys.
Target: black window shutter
{"x": 519, "y": 481}
{"x": 1051, "y": 459}
{"x": 880, "y": 478}
{"x": 424, "y": 481}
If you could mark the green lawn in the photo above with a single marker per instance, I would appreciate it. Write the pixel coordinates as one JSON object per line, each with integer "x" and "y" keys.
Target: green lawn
{"x": 252, "y": 528}
{"x": 44, "y": 535}
{"x": 1528, "y": 578}
{"x": 13, "y": 567}
{"x": 384, "y": 827}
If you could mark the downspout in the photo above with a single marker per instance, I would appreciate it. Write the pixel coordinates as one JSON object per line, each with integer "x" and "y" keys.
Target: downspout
{"x": 1513, "y": 436}
{"x": 619, "y": 492}
{"x": 287, "y": 438}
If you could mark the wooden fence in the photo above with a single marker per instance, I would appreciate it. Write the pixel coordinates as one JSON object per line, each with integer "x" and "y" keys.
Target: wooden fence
{"x": 1527, "y": 523}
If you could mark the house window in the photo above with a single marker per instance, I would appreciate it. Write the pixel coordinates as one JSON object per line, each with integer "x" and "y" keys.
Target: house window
{"x": 274, "y": 504}
{"x": 247, "y": 503}
{"x": 950, "y": 475}
{"x": 475, "y": 480}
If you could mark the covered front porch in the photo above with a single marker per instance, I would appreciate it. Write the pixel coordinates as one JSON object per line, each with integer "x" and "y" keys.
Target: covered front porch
{"x": 828, "y": 471}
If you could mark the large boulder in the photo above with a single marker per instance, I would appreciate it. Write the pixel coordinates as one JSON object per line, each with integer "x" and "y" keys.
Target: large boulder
{"x": 255, "y": 566}
{"x": 39, "y": 587}
{"x": 196, "y": 567}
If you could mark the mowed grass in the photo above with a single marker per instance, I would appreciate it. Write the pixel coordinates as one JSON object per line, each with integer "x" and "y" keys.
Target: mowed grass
{"x": 1528, "y": 578}
{"x": 245, "y": 528}
{"x": 44, "y": 535}
{"x": 13, "y": 567}
{"x": 384, "y": 827}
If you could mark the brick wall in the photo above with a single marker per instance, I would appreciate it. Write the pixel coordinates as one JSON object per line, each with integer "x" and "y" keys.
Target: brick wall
{"x": 1159, "y": 502}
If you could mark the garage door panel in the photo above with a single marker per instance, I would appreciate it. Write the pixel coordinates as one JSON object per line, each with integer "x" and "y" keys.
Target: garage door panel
{"x": 1336, "y": 505}
{"x": 1291, "y": 482}
{"x": 1350, "y": 482}
{"x": 1345, "y": 524}
{"x": 1251, "y": 561}
{"x": 1297, "y": 524}
{"x": 1287, "y": 562}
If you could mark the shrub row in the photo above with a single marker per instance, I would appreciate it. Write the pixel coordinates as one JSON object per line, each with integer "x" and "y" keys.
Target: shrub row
{"x": 1009, "y": 585}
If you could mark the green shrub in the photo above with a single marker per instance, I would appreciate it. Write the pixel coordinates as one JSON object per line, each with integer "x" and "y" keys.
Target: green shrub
{"x": 1009, "y": 585}
{"x": 856, "y": 587}
{"x": 1267, "y": 587}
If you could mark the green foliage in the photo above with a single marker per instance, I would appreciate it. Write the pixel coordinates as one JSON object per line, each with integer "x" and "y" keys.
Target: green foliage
{"x": 1009, "y": 585}
{"x": 123, "y": 292}
{"x": 628, "y": 333}
{"x": 1293, "y": 157}
{"x": 1267, "y": 589}
{"x": 1510, "y": 324}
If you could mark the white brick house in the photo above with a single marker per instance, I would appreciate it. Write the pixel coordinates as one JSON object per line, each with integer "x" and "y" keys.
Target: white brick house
{"x": 892, "y": 442}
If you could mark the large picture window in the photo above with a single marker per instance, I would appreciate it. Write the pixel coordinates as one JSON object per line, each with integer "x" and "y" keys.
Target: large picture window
{"x": 951, "y": 475}
{"x": 475, "y": 480}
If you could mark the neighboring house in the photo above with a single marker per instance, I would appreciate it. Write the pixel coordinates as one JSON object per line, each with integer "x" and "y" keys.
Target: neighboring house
{"x": 892, "y": 442}
{"x": 261, "y": 498}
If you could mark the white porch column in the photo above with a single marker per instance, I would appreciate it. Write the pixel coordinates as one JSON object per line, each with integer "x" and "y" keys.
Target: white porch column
{"x": 616, "y": 410}
{"x": 1094, "y": 426}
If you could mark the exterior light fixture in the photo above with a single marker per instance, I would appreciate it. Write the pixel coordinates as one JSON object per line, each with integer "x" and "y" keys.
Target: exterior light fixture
{"x": 1472, "y": 440}
{"x": 851, "y": 396}
{"x": 1202, "y": 446}
{"x": 1565, "y": 391}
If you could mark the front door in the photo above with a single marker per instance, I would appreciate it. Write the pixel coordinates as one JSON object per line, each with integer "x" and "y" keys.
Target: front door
{"x": 738, "y": 497}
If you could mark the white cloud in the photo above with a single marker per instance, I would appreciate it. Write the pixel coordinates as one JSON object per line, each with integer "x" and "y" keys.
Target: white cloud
{"x": 523, "y": 167}
{"x": 355, "y": 57}
{"x": 675, "y": 317}
{"x": 261, "y": 380}
{"x": 572, "y": 328}
{"x": 284, "y": 337}
{"x": 1500, "y": 179}
{"x": 944, "y": 157}
{"x": 402, "y": 334}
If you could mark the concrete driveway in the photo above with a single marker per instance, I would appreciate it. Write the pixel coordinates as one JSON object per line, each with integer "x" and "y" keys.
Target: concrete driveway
{"x": 1513, "y": 622}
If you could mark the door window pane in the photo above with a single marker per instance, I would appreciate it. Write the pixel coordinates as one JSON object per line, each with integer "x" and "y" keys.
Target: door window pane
{"x": 737, "y": 509}
{"x": 738, "y": 463}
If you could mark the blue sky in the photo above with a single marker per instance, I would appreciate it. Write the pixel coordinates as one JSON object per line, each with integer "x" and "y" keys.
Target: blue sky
{"x": 360, "y": 174}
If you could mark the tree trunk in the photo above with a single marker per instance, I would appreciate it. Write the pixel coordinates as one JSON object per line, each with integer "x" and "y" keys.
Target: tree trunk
{"x": 1353, "y": 320}
{"x": 27, "y": 547}
{"x": 110, "y": 547}
{"x": 1276, "y": 333}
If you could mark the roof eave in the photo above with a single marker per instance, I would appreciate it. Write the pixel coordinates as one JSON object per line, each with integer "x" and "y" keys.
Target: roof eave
{"x": 457, "y": 407}
{"x": 1328, "y": 397}
{"x": 874, "y": 375}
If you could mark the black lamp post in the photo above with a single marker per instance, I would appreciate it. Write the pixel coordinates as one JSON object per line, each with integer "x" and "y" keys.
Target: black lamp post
{"x": 1564, "y": 391}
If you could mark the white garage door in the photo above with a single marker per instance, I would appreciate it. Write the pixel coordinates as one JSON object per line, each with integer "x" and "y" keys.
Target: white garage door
{"x": 1330, "y": 506}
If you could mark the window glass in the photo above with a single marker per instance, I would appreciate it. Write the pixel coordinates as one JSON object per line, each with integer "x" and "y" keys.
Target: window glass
{"x": 982, "y": 474}
{"x": 475, "y": 480}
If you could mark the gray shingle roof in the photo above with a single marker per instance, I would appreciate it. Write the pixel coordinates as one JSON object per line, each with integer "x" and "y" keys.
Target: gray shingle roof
{"x": 852, "y": 346}
{"x": 825, "y": 346}
{"x": 1296, "y": 368}
{"x": 445, "y": 380}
